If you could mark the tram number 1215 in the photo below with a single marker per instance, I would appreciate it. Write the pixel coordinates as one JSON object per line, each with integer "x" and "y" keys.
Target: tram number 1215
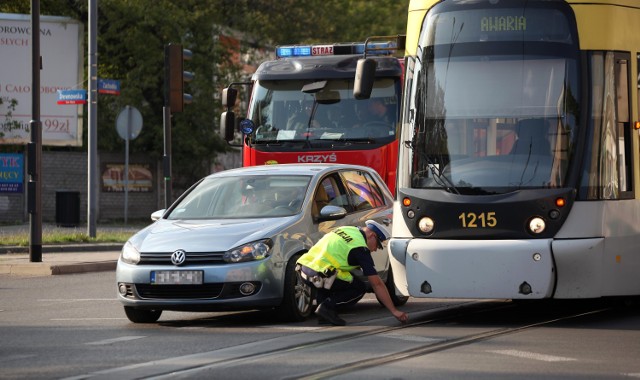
{"x": 482, "y": 220}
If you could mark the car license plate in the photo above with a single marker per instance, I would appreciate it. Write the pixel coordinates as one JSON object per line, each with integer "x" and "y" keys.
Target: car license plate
{"x": 176, "y": 277}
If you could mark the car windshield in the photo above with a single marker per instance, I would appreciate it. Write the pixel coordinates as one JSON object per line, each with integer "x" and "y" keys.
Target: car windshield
{"x": 288, "y": 112}
{"x": 243, "y": 197}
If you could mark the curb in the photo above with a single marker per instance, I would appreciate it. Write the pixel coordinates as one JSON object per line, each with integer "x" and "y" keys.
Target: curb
{"x": 64, "y": 248}
{"x": 45, "y": 269}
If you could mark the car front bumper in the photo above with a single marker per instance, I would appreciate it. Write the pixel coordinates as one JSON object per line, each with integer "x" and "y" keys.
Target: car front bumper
{"x": 239, "y": 286}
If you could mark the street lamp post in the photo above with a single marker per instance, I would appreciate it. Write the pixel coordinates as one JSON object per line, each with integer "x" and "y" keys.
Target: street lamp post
{"x": 34, "y": 151}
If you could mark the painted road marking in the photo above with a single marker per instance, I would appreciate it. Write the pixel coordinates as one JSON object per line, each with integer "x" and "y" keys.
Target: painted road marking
{"x": 533, "y": 355}
{"x": 115, "y": 340}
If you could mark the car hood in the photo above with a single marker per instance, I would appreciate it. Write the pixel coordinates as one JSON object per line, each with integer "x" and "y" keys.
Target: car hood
{"x": 214, "y": 235}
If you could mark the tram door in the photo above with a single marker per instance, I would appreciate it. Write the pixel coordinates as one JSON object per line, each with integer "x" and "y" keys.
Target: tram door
{"x": 610, "y": 168}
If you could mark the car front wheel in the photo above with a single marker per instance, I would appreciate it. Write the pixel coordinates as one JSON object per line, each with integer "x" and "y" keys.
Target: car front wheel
{"x": 141, "y": 315}
{"x": 297, "y": 301}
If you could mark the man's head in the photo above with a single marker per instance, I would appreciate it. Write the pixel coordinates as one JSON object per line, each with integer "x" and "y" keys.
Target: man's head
{"x": 380, "y": 232}
{"x": 376, "y": 107}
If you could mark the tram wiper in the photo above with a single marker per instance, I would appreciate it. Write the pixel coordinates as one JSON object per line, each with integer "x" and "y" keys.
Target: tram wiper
{"x": 438, "y": 177}
{"x": 524, "y": 170}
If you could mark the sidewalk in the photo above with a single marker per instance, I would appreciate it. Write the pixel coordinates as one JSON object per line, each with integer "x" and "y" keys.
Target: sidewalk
{"x": 60, "y": 258}
{"x": 56, "y": 263}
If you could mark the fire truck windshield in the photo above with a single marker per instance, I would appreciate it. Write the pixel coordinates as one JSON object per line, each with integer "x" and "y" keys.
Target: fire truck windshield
{"x": 321, "y": 112}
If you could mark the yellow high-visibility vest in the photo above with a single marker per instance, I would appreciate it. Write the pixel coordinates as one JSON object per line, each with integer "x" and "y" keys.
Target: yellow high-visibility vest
{"x": 332, "y": 252}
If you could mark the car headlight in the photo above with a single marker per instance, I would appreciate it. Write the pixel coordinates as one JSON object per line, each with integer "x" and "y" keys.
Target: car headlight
{"x": 130, "y": 255}
{"x": 256, "y": 250}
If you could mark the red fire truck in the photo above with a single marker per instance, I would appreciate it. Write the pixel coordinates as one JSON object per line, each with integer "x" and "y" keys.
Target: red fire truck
{"x": 302, "y": 108}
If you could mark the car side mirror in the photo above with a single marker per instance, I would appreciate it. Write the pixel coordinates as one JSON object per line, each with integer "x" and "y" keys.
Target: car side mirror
{"x": 157, "y": 214}
{"x": 330, "y": 212}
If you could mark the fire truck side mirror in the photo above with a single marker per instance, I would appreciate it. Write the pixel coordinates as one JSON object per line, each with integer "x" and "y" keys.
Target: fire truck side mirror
{"x": 365, "y": 76}
{"x": 229, "y": 96}
{"x": 227, "y": 125}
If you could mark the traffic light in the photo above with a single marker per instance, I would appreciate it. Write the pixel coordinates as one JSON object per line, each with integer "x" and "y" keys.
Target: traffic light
{"x": 175, "y": 77}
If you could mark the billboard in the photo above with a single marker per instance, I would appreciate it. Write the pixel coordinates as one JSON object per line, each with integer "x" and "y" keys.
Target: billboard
{"x": 11, "y": 172}
{"x": 62, "y": 69}
{"x": 140, "y": 179}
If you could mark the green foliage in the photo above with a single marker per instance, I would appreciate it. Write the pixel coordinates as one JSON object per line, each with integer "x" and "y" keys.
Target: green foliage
{"x": 55, "y": 235}
{"x": 290, "y": 21}
{"x": 8, "y": 124}
{"x": 131, "y": 39}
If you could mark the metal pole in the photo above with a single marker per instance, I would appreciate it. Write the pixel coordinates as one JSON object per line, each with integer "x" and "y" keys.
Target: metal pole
{"x": 34, "y": 187}
{"x": 166, "y": 163}
{"x": 126, "y": 166}
{"x": 92, "y": 139}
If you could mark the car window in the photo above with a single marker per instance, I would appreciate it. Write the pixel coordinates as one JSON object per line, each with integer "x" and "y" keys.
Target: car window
{"x": 243, "y": 197}
{"x": 365, "y": 194}
{"x": 330, "y": 192}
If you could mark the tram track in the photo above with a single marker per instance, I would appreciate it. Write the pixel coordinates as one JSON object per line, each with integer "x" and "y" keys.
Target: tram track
{"x": 271, "y": 355}
{"x": 433, "y": 348}
{"x": 427, "y": 318}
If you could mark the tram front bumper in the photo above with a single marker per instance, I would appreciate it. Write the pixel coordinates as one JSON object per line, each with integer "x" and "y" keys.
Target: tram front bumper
{"x": 509, "y": 269}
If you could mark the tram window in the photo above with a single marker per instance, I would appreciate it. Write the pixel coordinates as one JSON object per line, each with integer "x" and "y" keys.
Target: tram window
{"x": 609, "y": 170}
{"x": 622, "y": 91}
{"x": 623, "y": 124}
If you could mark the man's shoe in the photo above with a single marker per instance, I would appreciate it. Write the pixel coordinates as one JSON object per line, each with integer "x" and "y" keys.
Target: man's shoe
{"x": 329, "y": 315}
{"x": 322, "y": 321}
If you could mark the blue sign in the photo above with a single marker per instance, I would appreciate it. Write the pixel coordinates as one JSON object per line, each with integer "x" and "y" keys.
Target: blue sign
{"x": 72, "y": 96}
{"x": 11, "y": 172}
{"x": 109, "y": 86}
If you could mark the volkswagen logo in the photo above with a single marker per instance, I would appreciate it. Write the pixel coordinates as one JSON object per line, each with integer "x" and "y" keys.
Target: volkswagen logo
{"x": 178, "y": 257}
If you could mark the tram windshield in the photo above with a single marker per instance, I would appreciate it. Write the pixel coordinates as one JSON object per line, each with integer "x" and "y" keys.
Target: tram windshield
{"x": 321, "y": 113}
{"x": 493, "y": 102}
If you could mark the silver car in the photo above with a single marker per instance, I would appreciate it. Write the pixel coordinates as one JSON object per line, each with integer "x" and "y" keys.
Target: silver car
{"x": 231, "y": 241}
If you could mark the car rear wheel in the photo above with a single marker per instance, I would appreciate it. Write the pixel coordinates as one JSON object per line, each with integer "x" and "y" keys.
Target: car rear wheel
{"x": 141, "y": 315}
{"x": 297, "y": 301}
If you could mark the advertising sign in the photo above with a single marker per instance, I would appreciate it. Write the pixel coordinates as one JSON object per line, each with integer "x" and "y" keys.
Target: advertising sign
{"x": 62, "y": 69}
{"x": 11, "y": 172}
{"x": 140, "y": 178}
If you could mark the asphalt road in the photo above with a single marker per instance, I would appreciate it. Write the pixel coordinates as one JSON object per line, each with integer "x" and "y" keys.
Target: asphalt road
{"x": 73, "y": 327}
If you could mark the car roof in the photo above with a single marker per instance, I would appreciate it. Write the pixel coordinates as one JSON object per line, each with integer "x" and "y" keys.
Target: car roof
{"x": 288, "y": 169}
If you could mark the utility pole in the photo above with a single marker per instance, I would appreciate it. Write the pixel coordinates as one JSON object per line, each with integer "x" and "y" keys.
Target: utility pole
{"x": 92, "y": 139}
{"x": 34, "y": 150}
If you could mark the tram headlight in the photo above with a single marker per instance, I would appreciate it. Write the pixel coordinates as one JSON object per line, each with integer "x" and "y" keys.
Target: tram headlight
{"x": 537, "y": 225}
{"x": 425, "y": 224}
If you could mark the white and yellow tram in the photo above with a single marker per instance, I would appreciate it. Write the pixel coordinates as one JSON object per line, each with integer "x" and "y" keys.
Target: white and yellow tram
{"x": 518, "y": 173}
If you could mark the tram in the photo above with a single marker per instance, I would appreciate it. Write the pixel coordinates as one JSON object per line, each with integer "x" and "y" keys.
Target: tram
{"x": 518, "y": 173}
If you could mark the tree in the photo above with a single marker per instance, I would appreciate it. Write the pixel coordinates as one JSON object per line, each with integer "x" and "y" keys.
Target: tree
{"x": 8, "y": 124}
{"x": 281, "y": 22}
{"x": 131, "y": 39}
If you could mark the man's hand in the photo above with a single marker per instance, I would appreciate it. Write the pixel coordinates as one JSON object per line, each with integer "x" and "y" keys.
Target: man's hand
{"x": 401, "y": 316}
{"x": 380, "y": 289}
